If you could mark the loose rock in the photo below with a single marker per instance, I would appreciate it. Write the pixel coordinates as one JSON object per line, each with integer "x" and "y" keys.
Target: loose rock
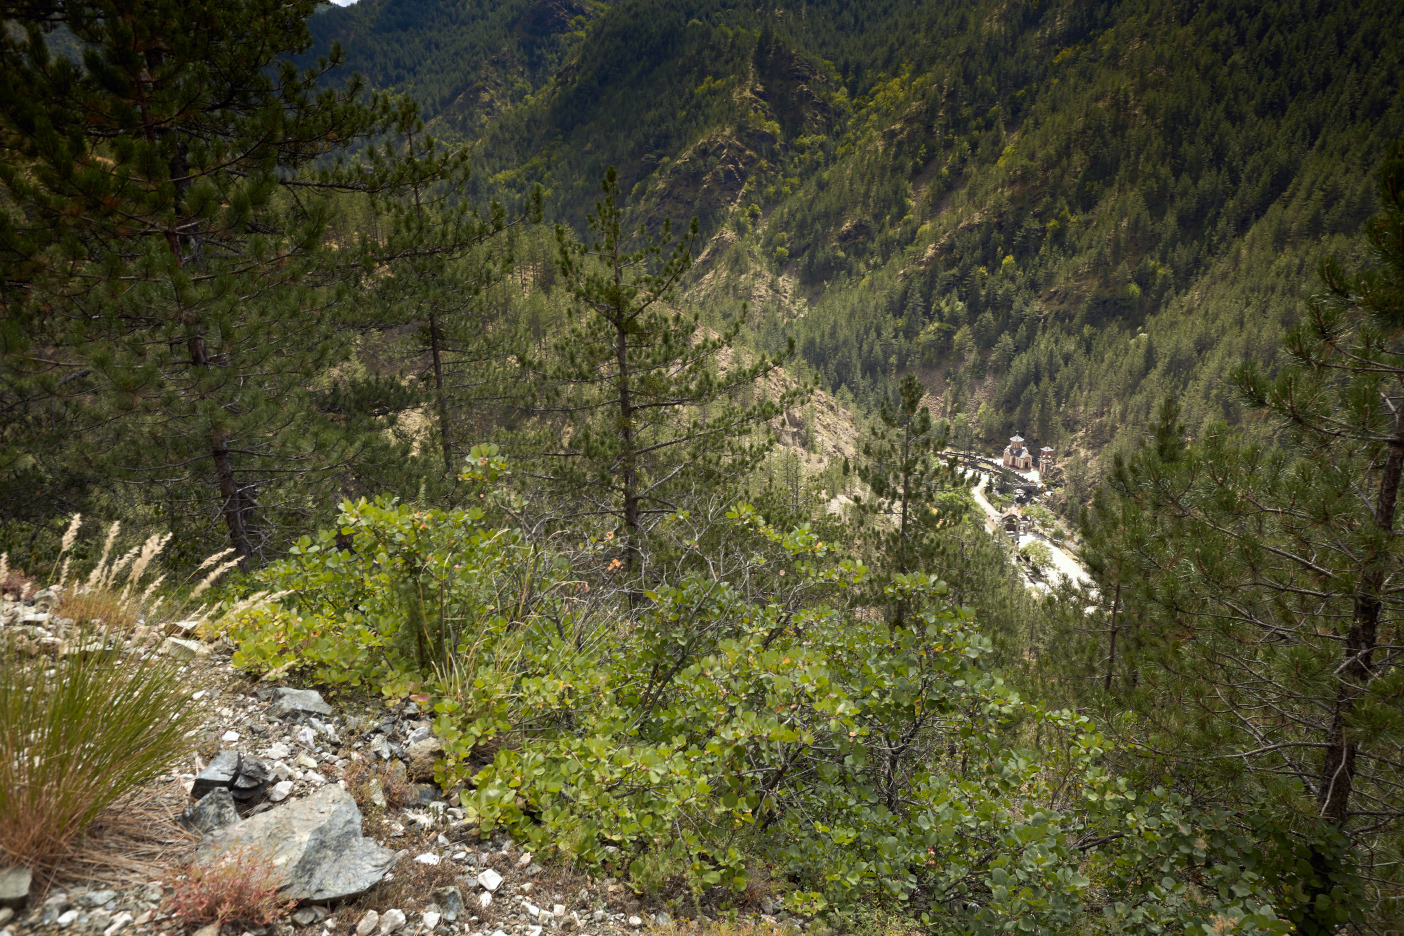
{"x": 490, "y": 880}
{"x": 316, "y": 842}
{"x": 280, "y": 791}
{"x": 14, "y": 886}
{"x": 244, "y": 775}
{"x": 391, "y": 920}
{"x": 420, "y": 757}
{"x": 184, "y": 649}
{"x": 215, "y": 810}
{"x": 450, "y": 901}
{"x": 368, "y": 923}
{"x": 299, "y": 701}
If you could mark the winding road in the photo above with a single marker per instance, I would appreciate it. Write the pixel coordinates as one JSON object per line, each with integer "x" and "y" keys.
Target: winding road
{"x": 1063, "y": 562}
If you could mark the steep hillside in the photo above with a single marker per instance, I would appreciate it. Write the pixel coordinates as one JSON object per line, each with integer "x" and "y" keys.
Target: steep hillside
{"x": 1057, "y": 212}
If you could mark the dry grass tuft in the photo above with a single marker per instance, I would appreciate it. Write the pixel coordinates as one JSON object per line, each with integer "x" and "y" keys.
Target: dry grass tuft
{"x": 101, "y": 608}
{"x": 77, "y": 733}
{"x": 134, "y": 840}
{"x": 241, "y": 887}
{"x": 14, "y": 584}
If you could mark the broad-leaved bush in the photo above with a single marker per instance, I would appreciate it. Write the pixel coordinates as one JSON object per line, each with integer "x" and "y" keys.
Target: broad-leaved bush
{"x": 694, "y": 728}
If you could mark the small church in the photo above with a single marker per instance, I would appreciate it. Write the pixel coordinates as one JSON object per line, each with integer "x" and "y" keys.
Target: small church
{"x": 1016, "y": 456}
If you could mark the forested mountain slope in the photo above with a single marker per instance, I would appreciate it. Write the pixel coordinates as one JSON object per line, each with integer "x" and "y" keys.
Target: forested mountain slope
{"x": 1059, "y": 211}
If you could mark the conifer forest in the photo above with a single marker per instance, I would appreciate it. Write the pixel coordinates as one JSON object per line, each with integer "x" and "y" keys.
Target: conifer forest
{"x": 701, "y": 467}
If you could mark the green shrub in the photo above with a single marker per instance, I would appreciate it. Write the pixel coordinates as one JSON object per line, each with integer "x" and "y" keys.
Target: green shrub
{"x": 699, "y": 730}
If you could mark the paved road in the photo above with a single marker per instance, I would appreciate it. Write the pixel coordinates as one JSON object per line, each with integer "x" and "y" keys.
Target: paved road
{"x": 1063, "y": 563}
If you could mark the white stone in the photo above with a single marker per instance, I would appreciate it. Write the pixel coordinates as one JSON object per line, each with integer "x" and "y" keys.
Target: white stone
{"x": 431, "y": 920}
{"x": 67, "y": 918}
{"x": 278, "y": 751}
{"x": 559, "y": 910}
{"x": 443, "y": 840}
{"x": 635, "y": 922}
{"x": 184, "y": 650}
{"x": 280, "y": 791}
{"x": 307, "y": 737}
{"x": 428, "y": 858}
{"x": 459, "y": 856}
{"x": 533, "y": 931}
{"x": 532, "y": 910}
{"x": 490, "y": 879}
{"x": 525, "y": 860}
{"x": 368, "y": 923}
{"x": 485, "y": 900}
{"x": 391, "y": 920}
{"x": 119, "y": 923}
{"x": 229, "y": 736}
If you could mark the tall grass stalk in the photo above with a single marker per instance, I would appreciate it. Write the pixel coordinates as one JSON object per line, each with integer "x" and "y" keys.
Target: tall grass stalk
{"x": 76, "y": 733}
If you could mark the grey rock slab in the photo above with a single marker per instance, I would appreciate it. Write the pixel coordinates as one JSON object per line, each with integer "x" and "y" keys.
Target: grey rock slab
{"x": 14, "y": 886}
{"x": 315, "y": 841}
{"x": 215, "y": 810}
{"x": 299, "y": 701}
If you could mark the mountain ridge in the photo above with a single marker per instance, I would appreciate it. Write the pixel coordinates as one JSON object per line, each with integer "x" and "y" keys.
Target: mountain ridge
{"x": 964, "y": 189}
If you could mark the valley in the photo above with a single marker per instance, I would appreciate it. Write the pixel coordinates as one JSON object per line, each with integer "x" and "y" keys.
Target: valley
{"x": 517, "y": 467}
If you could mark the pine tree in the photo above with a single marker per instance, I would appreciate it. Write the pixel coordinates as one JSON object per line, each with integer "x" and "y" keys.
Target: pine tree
{"x": 905, "y": 476}
{"x": 170, "y": 289}
{"x": 651, "y": 406}
{"x": 1268, "y": 577}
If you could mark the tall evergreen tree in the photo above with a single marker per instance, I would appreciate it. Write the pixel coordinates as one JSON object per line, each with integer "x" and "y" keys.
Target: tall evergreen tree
{"x": 905, "y": 476}
{"x": 651, "y": 406}
{"x": 171, "y": 295}
{"x": 1271, "y": 578}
